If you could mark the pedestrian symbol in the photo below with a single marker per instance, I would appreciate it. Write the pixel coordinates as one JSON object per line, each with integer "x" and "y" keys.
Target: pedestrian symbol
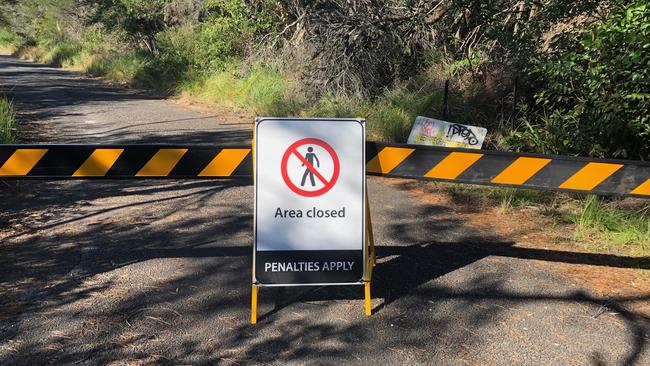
{"x": 310, "y": 156}
{"x": 304, "y": 172}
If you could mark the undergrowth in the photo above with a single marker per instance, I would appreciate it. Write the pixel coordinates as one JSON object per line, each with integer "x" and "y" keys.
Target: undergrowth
{"x": 263, "y": 91}
{"x": 608, "y": 225}
{"x": 601, "y": 224}
{"x": 7, "y": 121}
{"x": 124, "y": 69}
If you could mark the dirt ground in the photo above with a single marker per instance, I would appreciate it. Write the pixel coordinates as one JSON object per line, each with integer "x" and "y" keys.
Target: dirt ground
{"x": 529, "y": 228}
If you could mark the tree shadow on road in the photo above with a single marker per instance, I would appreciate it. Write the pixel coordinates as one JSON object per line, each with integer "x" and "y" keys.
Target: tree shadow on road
{"x": 164, "y": 278}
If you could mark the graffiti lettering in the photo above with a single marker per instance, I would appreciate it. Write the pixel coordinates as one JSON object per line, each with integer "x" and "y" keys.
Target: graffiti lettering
{"x": 462, "y": 131}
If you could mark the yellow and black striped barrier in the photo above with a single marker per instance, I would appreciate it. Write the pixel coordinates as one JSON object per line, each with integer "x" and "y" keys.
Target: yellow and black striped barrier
{"x": 124, "y": 161}
{"x": 486, "y": 167}
{"x": 497, "y": 168}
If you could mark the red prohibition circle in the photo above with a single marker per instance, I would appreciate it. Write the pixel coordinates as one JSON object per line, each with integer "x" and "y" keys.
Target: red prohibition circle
{"x": 293, "y": 149}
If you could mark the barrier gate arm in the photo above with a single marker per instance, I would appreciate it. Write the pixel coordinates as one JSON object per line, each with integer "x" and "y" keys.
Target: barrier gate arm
{"x": 125, "y": 161}
{"x": 508, "y": 169}
{"x": 485, "y": 167}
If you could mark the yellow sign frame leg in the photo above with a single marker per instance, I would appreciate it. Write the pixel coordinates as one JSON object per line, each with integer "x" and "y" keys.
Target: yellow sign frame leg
{"x": 254, "y": 287}
{"x": 254, "y": 290}
{"x": 371, "y": 262}
{"x": 372, "y": 258}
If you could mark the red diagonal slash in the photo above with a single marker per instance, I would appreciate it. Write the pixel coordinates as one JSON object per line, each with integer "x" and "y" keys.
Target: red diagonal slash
{"x": 310, "y": 167}
{"x": 293, "y": 150}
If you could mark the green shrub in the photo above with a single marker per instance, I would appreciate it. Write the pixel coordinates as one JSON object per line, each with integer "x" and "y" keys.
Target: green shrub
{"x": 139, "y": 69}
{"x": 222, "y": 43}
{"x": 60, "y": 54}
{"x": 7, "y": 121}
{"x": 174, "y": 60}
{"x": 94, "y": 41}
{"x": 227, "y": 31}
{"x": 391, "y": 118}
{"x": 595, "y": 99}
{"x": 29, "y": 50}
{"x": 8, "y": 38}
{"x": 162, "y": 73}
{"x": 123, "y": 69}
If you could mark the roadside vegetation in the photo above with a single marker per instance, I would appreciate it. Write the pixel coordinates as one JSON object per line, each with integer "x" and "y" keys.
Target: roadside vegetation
{"x": 7, "y": 121}
{"x": 601, "y": 224}
{"x": 610, "y": 225}
{"x": 580, "y": 68}
{"x": 547, "y": 76}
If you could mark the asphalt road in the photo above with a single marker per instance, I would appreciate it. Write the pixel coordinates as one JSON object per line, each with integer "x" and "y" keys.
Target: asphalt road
{"x": 158, "y": 272}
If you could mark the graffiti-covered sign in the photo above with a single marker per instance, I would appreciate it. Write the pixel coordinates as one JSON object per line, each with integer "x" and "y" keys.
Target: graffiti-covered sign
{"x": 429, "y": 131}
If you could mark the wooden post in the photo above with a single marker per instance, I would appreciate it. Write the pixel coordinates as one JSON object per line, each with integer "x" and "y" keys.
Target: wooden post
{"x": 514, "y": 99}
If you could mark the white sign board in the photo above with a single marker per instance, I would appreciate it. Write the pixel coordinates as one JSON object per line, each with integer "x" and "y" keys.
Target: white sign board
{"x": 309, "y": 201}
{"x": 429, "y": 131}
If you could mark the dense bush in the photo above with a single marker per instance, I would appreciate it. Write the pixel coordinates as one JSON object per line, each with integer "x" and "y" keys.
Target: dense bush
{"x": 595, "y": 99}
{"x": 7, "y": 37}
{"x": 137, "y": 20}
{"x": 226, "y": 32}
